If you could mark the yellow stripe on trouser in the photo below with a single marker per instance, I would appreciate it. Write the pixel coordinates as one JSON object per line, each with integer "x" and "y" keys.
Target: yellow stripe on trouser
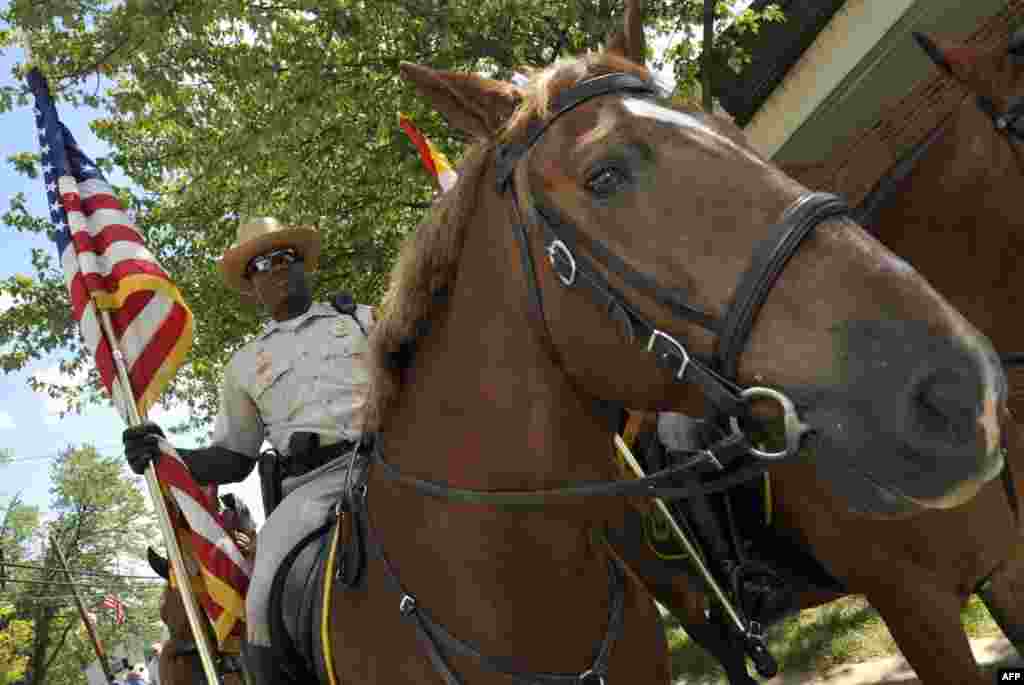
{"x": 325, "y": 614}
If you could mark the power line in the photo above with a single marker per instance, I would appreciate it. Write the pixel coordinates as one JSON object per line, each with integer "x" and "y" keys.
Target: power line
{"x": 43, "y": 457}
{"x": 63, "y": 583}
{"x": 12, "y": 564}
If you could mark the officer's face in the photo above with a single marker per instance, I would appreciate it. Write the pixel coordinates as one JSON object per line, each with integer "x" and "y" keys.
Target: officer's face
{"x": 269, "y": 277}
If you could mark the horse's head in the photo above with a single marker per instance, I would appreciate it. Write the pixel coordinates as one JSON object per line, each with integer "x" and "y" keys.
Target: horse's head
{"x": 994, "y": 75}
{"x": 644, "y": 212}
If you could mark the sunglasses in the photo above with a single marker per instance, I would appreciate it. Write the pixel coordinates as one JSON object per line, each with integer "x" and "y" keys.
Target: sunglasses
{"x": 265, "y": 262}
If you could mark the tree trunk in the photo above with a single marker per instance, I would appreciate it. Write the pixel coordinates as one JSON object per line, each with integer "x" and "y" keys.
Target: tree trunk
{"x": 37, "y": 666}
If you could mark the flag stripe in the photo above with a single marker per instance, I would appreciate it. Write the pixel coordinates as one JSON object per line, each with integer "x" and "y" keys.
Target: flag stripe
{"x": 204, "y": 525}
{"x": 101, "y": 242}
{"x": 223, "y": 572}
{"x": 151, "y": 356}
{"x": 420, "y": 142}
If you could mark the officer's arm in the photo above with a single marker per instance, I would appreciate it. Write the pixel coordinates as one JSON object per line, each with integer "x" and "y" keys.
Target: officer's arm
{"x": 237, "y": 436}
{"x": 216, "y": 465}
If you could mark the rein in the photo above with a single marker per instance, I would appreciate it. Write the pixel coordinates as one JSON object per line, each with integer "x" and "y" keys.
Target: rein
{"x": 226, "y": 663}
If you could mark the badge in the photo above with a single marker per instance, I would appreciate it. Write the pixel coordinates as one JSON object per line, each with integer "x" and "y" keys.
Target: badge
{"x": 341, "y": 329}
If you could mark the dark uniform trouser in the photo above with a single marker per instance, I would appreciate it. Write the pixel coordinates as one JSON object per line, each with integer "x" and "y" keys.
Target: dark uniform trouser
{"x": 308, "y": 500}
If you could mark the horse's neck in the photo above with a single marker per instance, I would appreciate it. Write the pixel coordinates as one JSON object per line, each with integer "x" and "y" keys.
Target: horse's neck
{"x": 485, "y": 405}
{"x": 974, "y": 158}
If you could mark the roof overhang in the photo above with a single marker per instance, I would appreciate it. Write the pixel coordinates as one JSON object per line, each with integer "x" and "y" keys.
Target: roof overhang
{"x": 863, "y": 58}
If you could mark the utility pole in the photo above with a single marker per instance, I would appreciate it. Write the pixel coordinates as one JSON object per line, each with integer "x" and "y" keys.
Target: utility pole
{"x": 89, "y": 627}
{"x": 707, "y": 98}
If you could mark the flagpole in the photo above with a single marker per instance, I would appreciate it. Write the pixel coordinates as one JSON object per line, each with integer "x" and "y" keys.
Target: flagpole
{"x": 89, "y": 627}
{"x": 195, "y": 618}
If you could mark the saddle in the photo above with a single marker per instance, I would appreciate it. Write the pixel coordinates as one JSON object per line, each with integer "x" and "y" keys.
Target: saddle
{"x": 303, "y": 588}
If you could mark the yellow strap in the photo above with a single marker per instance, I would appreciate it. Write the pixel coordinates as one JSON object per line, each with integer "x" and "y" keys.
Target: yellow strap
{"x": 633, "y": 425}
{"x": 325, "y": 614}
{"x": 767, "y": 499}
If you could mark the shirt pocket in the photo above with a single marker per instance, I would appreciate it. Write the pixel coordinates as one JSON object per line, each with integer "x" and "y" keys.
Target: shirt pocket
{"x": 351, "y": 344}
{"x": 274, "y": 391}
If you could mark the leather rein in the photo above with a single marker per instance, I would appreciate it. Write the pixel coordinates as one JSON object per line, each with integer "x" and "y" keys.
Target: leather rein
{"x": 226, "y": 663}
{"x": 730, "y": 401}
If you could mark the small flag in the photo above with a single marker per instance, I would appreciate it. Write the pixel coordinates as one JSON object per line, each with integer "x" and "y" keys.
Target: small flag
{"x": 112, "y": 602}
{"x": 108, "y": 267}
{"x": 222, "y": 573}
{"x": 436, "y": 163}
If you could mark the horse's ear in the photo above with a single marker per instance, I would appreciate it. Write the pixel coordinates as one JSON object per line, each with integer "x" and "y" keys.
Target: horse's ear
{"x": 629, "y": 40}
{"x": 473, "y": 104}
{"x": 160, "y": 565}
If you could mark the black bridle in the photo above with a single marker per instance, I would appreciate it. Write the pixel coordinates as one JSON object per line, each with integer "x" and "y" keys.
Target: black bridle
{"x": 1009, "y": 123}
{"x": 562, "y": 246}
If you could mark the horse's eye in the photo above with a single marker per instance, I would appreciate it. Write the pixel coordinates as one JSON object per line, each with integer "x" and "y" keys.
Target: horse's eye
{"x": 606, "y": 181}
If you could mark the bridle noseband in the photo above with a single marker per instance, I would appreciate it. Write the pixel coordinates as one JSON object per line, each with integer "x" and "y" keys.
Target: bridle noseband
{"x": 563, "y": 240}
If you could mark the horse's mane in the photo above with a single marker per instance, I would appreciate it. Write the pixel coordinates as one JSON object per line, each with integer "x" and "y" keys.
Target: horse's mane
{"x": 424, "y": 273}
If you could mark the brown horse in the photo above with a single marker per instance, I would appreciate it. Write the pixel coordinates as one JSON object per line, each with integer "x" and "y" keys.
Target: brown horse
{"x": 955, "y": 218}
{"x": 490, "y": 372}
{"x": 179, "y": 658}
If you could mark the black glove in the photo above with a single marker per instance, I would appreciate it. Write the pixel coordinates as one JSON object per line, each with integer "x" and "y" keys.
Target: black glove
{"x": 141, "y": 445}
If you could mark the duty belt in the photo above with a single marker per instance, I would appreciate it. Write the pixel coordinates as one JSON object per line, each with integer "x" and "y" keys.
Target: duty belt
{"x": 301, "y": 463}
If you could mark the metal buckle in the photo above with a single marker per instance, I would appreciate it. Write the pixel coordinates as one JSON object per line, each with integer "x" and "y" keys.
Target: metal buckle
{"x": 552, "y": 250}
{"x": 676, "y": 344}
{"x": 589, "y": 675}
{"x": 407, "y": 605}
{"x": 755, "y": 630}
{"x": 795, "y": 428}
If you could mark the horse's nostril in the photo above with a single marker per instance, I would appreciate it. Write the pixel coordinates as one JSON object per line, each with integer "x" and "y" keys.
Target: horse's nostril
{"x": 944, "y": 406}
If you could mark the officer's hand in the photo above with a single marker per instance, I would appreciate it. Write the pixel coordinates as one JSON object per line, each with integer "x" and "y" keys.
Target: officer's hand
{"x": 141, "y": 445}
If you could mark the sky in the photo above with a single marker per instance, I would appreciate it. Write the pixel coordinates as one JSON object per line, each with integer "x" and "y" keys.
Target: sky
{"x": 29, "y": 423}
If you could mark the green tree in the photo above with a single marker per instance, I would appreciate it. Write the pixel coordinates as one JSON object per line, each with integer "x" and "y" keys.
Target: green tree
{"x": 284, "y": 107}
{"x": 102, "y": 525}
{"x": 15, "y": 638}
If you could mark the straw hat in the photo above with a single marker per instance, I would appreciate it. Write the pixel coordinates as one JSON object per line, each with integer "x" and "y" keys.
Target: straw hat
{"x": 261, "y": 235}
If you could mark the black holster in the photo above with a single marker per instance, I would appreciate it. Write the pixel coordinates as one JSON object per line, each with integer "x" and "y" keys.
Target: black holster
{"x": 271, "y": 475}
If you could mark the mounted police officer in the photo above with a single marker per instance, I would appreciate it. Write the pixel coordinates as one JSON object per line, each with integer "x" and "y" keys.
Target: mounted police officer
{"x": 300, "y": 385}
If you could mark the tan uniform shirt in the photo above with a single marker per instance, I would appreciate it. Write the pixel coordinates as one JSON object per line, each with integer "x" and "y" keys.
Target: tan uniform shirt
{"x": 305, "y": 374}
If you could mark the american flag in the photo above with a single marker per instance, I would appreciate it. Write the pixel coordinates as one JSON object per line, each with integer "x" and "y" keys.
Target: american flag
{"x": 112, "y": 602}
{"x": 223, "y": 577}
{"x": 107, "y": 266}
{"x": 436, "y": 164}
